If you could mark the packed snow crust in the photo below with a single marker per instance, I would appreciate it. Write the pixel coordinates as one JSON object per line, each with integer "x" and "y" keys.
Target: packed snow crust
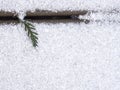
{"x": 70, "y": 56}
{"x": 102, "y": 16}
{"x": 58, "y": 5}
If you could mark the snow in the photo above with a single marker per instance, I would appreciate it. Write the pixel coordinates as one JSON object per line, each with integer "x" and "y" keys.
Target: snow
{"x": 58, "y": 5}
{"x": 71, "y": 56}
{"x": 22, "y": 6}
{"x": 102, "y": 16}
{"x": 21, "y": 15}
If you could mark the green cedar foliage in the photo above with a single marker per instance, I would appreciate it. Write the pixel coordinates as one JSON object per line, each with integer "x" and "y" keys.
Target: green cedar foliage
{"x": 30, "y": 29}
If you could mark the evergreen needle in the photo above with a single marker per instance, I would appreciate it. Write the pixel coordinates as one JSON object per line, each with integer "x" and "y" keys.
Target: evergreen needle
{"x": 30, "y": 29}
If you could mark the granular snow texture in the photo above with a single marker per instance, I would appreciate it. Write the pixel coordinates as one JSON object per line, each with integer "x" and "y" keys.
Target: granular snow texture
{"x": 58, "y": 5}
{"x": 69, "y": 57}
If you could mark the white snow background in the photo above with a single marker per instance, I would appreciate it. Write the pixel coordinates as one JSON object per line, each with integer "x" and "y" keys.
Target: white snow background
{"x": 70, "y": 56}
{"x": 58, "y": 5}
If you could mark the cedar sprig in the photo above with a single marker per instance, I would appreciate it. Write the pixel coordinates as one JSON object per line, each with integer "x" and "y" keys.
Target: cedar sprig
{"x": 30, "y": 29}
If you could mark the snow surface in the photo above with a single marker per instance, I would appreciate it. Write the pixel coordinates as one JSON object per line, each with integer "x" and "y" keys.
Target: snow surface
{"x": 102, "y": 16}
{"x": 70, "y": 56}
{"x": 58, "y": 5}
